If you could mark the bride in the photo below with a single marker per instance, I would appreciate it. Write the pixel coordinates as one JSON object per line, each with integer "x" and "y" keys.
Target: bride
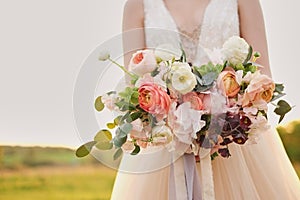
{"x": 258, "y": 171}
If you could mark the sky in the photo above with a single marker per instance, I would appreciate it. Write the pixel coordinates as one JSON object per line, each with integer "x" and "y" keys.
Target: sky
{"x": 44, "y": 44}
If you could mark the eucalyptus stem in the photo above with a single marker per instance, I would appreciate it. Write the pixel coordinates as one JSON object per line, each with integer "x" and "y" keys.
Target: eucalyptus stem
{"x": 122, "y": 68}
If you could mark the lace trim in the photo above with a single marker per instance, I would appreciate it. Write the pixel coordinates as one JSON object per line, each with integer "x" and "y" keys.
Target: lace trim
{"x": 190, "y": 41}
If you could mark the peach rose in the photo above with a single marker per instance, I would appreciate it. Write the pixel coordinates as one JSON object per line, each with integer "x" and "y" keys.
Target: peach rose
{"x": 227, "y": 82}
{"x": 260, "y": 89}
{"x": 154, "y": 99}
{"x": 194, "y": 99}
{"x": 142, "y": 62}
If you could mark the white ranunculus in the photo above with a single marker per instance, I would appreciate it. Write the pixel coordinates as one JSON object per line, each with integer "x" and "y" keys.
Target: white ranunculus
{"x": 183, "y": 80}
{"x": 235, "y": 50}
{"x": 167, "y": 52}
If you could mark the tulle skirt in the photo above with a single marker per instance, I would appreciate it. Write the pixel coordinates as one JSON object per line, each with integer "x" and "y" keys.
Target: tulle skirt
{"x": 257, "y": 171}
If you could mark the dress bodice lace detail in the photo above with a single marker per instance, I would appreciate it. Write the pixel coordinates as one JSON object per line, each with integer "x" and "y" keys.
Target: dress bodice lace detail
{"x": 220, "y": 21}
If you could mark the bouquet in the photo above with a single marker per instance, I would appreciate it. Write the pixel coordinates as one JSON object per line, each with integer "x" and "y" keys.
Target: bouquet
{"x": 169, "y": 101}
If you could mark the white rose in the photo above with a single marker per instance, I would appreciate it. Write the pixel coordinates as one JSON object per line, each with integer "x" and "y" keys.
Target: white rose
{"x": 183, "y": 80}
{"x": 167, "y": 52}
{"x": 142, "y": 62}
{"x": 235, "y": 50}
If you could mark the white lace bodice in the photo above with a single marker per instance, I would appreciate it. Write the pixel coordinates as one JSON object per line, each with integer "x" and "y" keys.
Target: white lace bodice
{"x": 220, "y": 21}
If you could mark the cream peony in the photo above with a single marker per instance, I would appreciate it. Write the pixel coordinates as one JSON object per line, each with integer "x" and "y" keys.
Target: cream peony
{"x": 235, "y": 50}
{"x": 183, "y": 80}
{"x": 142, "y": 62}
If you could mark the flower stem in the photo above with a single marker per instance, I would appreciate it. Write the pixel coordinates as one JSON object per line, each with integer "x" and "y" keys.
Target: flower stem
{"x": 122, "y": 68}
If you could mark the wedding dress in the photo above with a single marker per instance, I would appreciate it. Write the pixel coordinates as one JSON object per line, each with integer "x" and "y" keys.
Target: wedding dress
{"x": 257, "y": 171}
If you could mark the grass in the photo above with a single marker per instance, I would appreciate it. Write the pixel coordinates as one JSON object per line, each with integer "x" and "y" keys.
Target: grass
{"x": 59, "y": 183}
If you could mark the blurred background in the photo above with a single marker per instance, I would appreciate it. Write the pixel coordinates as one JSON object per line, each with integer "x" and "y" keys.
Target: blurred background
{"x": 43, "y": 45}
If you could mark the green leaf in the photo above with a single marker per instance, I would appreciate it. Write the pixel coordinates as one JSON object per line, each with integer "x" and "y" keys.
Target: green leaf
{"x": 183, "y": 55}
{"x": 85, "y": 149}
{"x": 104, "y": 145}
{"x": 135, "y": 115}
{"x": 282, "y": 108}
{"x": 135, "y": 98}
{"x": 111, "y": 125}
{"x": 250, "y": 52}
{"x": 155, "y": 72}
{"x": 99, "y": 105}
{"x": 103, "y": 136}
{"x": 219, "y": 68}
{"x": 118, "y": 154}
{"x": 136, "y": 150}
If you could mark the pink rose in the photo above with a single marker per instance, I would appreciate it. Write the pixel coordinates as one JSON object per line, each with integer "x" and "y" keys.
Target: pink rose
{"x": 227, "y": 82}
{"x": 154, "y": 99}
{"x": 260, "y": 90}
{"x": 194, "y": 99}
{"x": 142, "y": 62}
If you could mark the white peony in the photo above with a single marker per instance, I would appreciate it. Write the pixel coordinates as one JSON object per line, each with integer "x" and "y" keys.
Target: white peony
{"x": 235, "y": 50}
{"x": 183, "y": 80}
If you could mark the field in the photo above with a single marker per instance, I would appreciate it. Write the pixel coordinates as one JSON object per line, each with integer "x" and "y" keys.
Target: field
{"x": 61, "y": 183}
{"x": 28, "y": 173}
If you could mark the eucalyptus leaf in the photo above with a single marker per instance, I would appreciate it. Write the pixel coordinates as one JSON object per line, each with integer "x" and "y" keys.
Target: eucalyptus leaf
{"x": 279, "y": 88}
{"x": 104, "y": 145}
{"x": 117, "y": 120}
{"x": 85, "y": 149}
{"x": 277, "y": 96}
{"x": 136, "y": 150}
{"x": 103, "y": 136}
{"x": 124, "y": 117}
{"x": 209, "y": 78}
{"x": 126, "y": 127}
{"x": 118, "y": 153}
{"x": 282, "y": 108}
{"x": 111, "y": 125}
{"x": 119, "y": 141}
{"x": 99, "y": 105}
